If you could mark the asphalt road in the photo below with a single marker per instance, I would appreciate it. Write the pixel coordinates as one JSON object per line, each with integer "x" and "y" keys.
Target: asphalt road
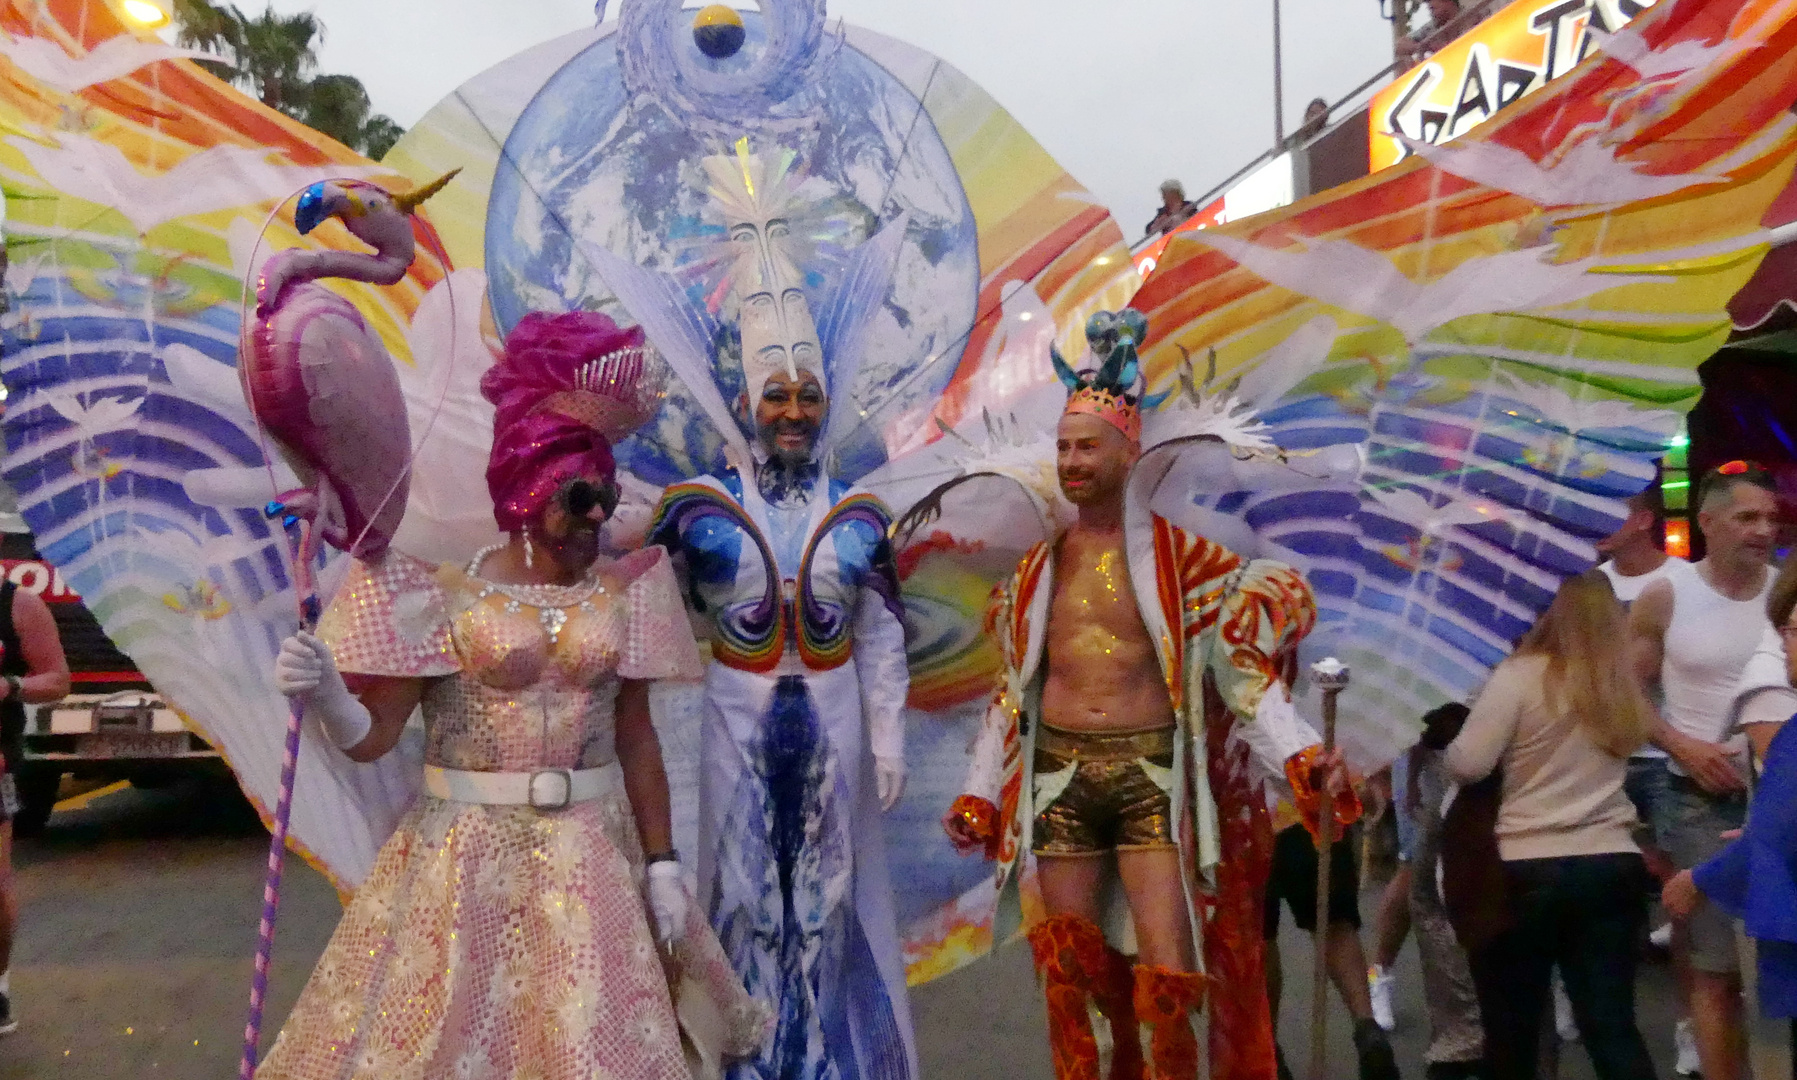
{"x": 139, "y": 921}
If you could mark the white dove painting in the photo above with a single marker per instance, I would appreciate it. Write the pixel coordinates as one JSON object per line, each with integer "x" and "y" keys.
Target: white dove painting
{"x": 1586, "y": 412}
{"x": 217, "y": 178}
{"x": 1586, "y": 173}
{"x": 48, "y": 63}
{"x": 1365, "y": 282}
{"x": 23, "y": 269}
{"x": 213, "y": 552}
{"x": 1552, "y": 424}
{"x": 97, "y": 415}
{"x": 1428, "y": 517}
{"x": 1630, "y": 47}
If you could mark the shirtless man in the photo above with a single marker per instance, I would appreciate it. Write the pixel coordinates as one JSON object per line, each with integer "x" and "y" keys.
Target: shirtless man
{"x": 1116, "y": 695}
{"x": 1104, "y": 695}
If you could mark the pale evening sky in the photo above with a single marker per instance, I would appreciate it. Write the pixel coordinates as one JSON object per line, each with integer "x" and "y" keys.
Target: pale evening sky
{"x": 1124, "y": 93}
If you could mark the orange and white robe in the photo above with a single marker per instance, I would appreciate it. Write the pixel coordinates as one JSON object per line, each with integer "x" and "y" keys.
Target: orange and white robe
{"x": 1225, "y": 631}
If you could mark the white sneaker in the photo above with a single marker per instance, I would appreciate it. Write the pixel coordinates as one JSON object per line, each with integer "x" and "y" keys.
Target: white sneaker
{"x": 1686, "y": 1040}
{"x": 1661, "y": 938}
{"x": 1379, "y": 987}
{"x": 1564, "y": 1025}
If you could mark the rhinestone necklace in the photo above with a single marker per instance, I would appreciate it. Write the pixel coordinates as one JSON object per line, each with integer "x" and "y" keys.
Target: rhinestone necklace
{"x": 551, "y": 601}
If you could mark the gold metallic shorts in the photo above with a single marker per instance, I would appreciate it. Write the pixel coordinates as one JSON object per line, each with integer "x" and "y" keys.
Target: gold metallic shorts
{"x": 1099, "y": 791}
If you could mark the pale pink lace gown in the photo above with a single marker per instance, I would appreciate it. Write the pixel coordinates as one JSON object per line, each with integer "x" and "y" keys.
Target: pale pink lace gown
{"x": 500, "y": 941}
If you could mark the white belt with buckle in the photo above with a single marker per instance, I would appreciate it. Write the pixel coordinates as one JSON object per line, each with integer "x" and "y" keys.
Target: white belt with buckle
{"x": 542, "y": 789}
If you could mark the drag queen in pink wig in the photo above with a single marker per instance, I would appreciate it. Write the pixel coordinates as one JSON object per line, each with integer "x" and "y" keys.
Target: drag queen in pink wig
{"x": 528, "y": 917}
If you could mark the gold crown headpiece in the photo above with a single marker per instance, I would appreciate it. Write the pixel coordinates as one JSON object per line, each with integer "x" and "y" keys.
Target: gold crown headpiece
{"x": 1110, "y": 393}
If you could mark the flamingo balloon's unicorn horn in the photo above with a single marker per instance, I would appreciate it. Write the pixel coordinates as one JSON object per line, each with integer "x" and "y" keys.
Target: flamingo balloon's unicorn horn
{"x": 318, "y": 378}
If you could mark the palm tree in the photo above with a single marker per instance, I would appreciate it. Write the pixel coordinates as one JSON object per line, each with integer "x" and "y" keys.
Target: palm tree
{"x": 379, "y": 134}
{"x": 338, "y": 105}
{"x": 277, "y": 55}
{"x": 271, "y": 54}
{"x": 273, "y": 57}
{"x": 199, "y": 25}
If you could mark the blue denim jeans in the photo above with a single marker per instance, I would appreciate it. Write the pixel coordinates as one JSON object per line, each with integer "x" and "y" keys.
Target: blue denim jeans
{"x": 1583, "y": 913}
{"x": 1648, "y": 783}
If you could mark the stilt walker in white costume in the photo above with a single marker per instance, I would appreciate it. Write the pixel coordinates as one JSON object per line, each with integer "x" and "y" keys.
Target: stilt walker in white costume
{"x": 802, "y": 744}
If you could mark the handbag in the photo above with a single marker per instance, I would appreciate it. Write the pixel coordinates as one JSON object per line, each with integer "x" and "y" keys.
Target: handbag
{"x": 1473, "y": 888}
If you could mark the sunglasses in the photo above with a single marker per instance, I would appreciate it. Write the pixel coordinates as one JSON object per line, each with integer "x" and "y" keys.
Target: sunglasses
{"x": 579, "y": 497}
{"x": 1740, "y": 467}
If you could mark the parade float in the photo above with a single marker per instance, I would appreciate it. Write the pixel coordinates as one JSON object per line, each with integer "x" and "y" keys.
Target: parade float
{"x": 1463, "y": 362}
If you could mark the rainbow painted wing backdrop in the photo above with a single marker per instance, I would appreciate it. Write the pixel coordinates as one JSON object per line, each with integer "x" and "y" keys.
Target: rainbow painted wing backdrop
{"x": 952, "y": 551}
{"x": 136, "y": 186}
{"x": 1510, "y": 332}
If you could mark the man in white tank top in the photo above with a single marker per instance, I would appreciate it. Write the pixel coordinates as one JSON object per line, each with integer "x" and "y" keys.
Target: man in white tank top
{"x": 1693, "y": 634}
{"x": 1635, "y": 561}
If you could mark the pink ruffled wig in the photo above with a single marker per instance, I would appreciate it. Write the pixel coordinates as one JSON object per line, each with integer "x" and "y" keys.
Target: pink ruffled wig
{"x": 565, "y": 383}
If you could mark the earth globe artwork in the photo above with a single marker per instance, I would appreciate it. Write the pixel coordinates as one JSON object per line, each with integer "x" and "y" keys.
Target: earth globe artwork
{"x": 718, "y": 31}
{"x": 609, "y": 154}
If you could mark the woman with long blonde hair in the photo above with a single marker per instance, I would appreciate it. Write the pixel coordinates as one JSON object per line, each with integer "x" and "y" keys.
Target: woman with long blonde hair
{"x": 1588, "y": 675}
{"x": 1560, "y": 717}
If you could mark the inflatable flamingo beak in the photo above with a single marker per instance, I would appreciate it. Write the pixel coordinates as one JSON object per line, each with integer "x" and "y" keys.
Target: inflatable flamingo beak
{"x": 316, "y": 203}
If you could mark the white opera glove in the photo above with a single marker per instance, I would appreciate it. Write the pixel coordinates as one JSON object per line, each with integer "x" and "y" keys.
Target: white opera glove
{"x": 889, "y": 777}
{"x": 880, "y": 668}
{"x": 306, "y": 671}
{"x": 667, "y": 901}
{"x": 1276, "y": 733}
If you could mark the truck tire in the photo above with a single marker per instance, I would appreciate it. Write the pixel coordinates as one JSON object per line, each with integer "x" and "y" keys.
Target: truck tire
{"x": 37, "y": 797}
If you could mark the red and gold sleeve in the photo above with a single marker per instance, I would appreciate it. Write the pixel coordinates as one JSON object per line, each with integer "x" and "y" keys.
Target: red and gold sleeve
{"x": 1307, "y": 795}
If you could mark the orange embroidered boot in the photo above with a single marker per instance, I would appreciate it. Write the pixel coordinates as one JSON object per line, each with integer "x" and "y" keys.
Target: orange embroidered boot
{"x": 1165, "y": 1001}
{"x": 1070, "y": 958}
{"x": 1117, "y": 1001}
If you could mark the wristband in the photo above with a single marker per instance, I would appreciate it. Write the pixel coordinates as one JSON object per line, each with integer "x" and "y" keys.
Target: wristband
{"x": 661, "y": 856}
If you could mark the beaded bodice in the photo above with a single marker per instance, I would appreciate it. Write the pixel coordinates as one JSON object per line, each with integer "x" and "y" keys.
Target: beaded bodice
{"x": 539, "y": 675}
{"x": 513, "y": 636}
{"x": 519, "y": 677}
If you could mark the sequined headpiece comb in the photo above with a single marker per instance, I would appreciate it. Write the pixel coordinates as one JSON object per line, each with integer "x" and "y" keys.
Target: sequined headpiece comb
{"x": 1110, "y": 393}
{"x": 614, "y": 394}
{"x": 579, "y": 364}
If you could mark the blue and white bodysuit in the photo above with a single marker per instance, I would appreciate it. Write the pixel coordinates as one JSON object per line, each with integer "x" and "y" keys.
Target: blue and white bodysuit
{"x": 808, "y": 684}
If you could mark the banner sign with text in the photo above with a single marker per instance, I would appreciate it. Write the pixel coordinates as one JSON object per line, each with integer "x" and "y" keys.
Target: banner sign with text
{"x": 1515, "y": 52}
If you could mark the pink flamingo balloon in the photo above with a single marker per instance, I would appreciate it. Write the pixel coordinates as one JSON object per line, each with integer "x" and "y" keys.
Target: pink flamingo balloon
{"x": 321, "y": 383}
{"x": 320, "y": 380}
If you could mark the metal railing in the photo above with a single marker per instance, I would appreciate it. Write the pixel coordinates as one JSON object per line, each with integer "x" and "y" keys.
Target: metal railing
{"x": 1344, "y": 110}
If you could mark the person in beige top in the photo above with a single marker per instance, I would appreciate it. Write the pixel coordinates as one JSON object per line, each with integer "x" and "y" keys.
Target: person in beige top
{"x": 1560, "y": 718}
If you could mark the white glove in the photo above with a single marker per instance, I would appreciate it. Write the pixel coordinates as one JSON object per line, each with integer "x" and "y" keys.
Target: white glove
{"x": 667, "y": 901}
{"x": 306, "y": 671}
{"x": 889, "y": 779}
